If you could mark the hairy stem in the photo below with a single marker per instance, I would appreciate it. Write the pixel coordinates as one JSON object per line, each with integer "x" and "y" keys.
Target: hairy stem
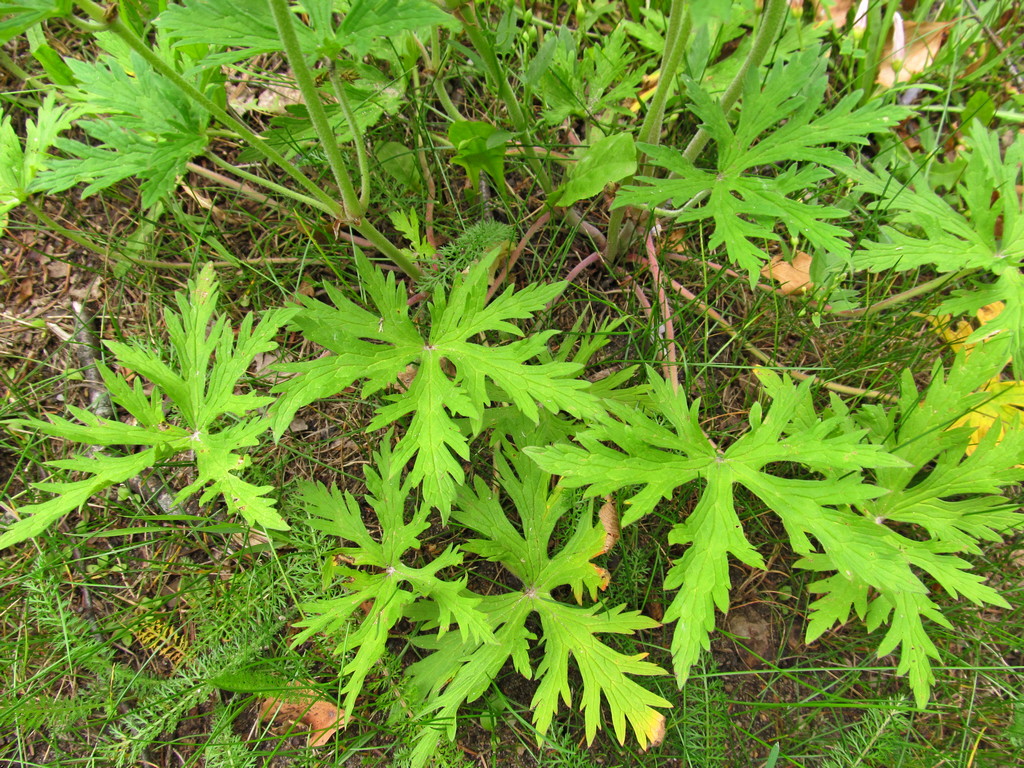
{"x": 254, "y": 179}
{"x": 357, "y": 136}
{"x": 771, "y": 21}
{"x": 481, "y": 44}
{"x": 317, "y": 114}
{"x": 676, "y": 35}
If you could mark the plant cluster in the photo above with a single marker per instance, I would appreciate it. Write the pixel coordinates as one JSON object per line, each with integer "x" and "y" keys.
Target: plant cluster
{"x": 487, "y": 424}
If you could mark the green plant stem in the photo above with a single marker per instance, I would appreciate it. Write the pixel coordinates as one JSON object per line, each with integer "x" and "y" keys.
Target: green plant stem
{"x": 471, "y": 26}
{"x": 446, "y": 100}
{"x": 386, "y": 247}
{"x": 317, "y": 114}
{"x": 771, "y": 21}
{"x": 357, "y": 137}
{"x": 899, "y": 298}
{"x": 354, "y": 208}
{"x": 123, "y": 31}
{"x": 676, "y": 35}
{"x": 279, "y": 189}
{"x": 19, "y": 74}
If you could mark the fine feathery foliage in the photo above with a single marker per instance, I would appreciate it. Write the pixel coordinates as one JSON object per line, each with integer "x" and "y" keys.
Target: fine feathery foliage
{"x": 208, "y": 419}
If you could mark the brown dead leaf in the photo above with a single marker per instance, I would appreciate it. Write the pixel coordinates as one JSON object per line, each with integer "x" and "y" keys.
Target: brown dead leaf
{"x": 26, "y": 290}
{"x": 304, "y": 706}
{"x": 609, "y": 517}
{"x": 794, "y": 277}
{"x": 910, "y": 50}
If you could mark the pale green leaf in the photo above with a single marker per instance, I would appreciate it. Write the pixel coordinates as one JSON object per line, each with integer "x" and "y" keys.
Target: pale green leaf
{"x": 604, "y": 162}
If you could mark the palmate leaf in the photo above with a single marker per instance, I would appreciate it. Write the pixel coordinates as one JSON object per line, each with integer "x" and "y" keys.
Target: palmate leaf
{"x": 955, "y": 503}
{"x": 634, "y": 449}
{"x": 571, "y": 82}
{"x": 380, "y": 578}
{"x": 983, "y": 233}
{"x": 744, "y": 194}
{"x": 454, "y": 376}
{"x": 200, "y": 381}
{"x": 145, "y": 127}
{"x": 460, "y": 671}
{"x": 20, "y": 164}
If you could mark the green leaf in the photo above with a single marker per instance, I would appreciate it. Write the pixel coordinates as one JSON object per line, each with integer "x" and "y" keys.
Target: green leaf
{"x": 106, "y": 471}
{"x": 19, "y": 15}
{"x": 572, "y": 632}
{"x": 400, "y": 163}
{"x": 606, "y": 161}
{"x": 637, "y": 450}
{"x": 19, "y": 165}
{"x": 479, "y": 147}
{"x": 980, "y": 229}
{"x": 368, "y": 20}
{"x": 454, "y": 376}
{"x": 248, "y": 29}
{"x": 460, "y": 671}
{"x": 584, "y": 83}
{"x": 148, "y": 129}
{"x": 778, "y": 128}
{"x": 381, "y": 578}
{"x": 209, "y": 363}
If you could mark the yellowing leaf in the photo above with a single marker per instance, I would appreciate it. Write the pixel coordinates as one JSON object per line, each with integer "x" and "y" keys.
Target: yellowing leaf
{"x": 990, "y": 312}
{"x": 954, "y": 336}
{"x": 647, "y": 88}
{"x": 1004, "y": 408}
{"x": 793, "y": 277}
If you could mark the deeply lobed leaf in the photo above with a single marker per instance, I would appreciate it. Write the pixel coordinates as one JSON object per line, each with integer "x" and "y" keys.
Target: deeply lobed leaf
{"x": 200, "y": 381}
{"x": 455, "y": 376}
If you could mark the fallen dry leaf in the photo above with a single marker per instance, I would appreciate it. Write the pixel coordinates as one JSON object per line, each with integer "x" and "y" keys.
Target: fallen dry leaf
{"x": 794, "y": 277}
{"x": 910, "y": 50}
{"x": 609, "y": 517}
{"x": 304, "y": 706}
